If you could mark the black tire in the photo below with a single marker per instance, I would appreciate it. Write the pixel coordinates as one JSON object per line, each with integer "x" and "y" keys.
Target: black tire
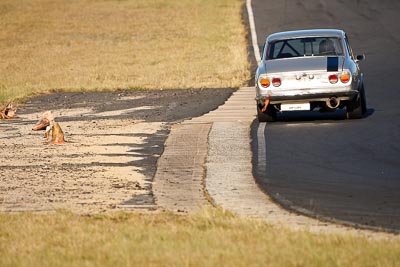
{"x": 269, "y": 115}
{"x": 358, "y": 107}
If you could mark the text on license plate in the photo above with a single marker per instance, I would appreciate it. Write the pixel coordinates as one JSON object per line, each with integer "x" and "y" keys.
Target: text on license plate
{"x": 297, "y": 106}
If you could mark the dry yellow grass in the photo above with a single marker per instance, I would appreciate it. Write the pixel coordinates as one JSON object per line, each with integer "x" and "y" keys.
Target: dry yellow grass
{"x": 50, "y": 45}
{"x": 210, "y": 238}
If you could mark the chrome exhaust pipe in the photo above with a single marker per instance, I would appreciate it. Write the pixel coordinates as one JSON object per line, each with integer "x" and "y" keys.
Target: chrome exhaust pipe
{"x": 333, "y": 102}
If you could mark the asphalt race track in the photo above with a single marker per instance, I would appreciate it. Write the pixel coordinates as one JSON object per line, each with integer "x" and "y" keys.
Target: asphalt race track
{"x": 323, "y": 164}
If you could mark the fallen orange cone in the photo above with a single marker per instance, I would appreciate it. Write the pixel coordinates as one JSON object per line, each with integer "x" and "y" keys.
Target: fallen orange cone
{"x": 54, "y": 133}
{"x": 46, "y": 119}
{"x": 8, "y": 111}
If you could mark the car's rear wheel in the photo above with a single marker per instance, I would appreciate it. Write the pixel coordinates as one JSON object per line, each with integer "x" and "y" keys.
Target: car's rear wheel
{"x": 269, "y": 115}
{"x": 358, "y": 107}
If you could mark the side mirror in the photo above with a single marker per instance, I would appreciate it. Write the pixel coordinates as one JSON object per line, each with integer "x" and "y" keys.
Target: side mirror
{"x": 360, "y": 57}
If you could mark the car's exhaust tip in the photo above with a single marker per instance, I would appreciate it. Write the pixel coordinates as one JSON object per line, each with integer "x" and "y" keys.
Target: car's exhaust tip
{"x": 332, "y": 102}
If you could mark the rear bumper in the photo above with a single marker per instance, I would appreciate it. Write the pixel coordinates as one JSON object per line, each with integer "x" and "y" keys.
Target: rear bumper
{"x": 309, "y": 95}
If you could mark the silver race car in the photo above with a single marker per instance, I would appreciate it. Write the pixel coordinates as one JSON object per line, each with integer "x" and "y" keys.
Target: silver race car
{"x": 307, "y": 70}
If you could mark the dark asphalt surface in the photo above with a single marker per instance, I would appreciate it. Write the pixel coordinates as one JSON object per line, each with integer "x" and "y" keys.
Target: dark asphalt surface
{"x": 323, "y": 164}
{"x": 170, "y": 106}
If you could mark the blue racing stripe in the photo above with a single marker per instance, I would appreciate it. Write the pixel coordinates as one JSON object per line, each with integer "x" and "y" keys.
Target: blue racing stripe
{"x": 332, "y": 64}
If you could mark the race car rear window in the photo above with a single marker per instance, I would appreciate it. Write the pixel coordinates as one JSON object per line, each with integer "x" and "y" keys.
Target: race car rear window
{"x": 303, "y": 47}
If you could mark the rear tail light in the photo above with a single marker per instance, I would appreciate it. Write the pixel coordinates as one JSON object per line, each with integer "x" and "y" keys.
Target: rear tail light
{"x": 276, "y": 82}
{"x": 264, "y": 82}
{"x": 333, "y": 78}
{"x": 345, "y": 77}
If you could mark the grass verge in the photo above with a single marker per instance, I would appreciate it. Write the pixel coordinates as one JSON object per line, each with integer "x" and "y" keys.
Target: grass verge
{"x": 211, "y": 238}
{"x": 48, "y": 45}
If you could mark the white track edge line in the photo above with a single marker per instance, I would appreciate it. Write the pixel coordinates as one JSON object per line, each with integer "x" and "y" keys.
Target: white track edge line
{"x": 253, "y": 31}
{"x": 262, "y": 158}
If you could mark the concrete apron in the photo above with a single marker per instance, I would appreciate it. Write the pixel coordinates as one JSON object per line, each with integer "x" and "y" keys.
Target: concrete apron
{"x": 208, "y": 161}
{"x": 179, "y": 183}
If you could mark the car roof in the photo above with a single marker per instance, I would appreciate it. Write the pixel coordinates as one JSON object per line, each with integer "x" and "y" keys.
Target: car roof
{"x": 305, "y": 33}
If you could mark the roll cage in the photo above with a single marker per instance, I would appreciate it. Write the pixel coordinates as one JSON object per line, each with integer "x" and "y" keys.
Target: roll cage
{"x": 302, "y": 47}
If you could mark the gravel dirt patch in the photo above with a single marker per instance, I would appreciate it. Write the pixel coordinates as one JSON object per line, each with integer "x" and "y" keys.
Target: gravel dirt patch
{"x": 114, "y": 140}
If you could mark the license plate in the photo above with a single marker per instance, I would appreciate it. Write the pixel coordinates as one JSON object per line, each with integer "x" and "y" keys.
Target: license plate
{"x": 293, "y": 107}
